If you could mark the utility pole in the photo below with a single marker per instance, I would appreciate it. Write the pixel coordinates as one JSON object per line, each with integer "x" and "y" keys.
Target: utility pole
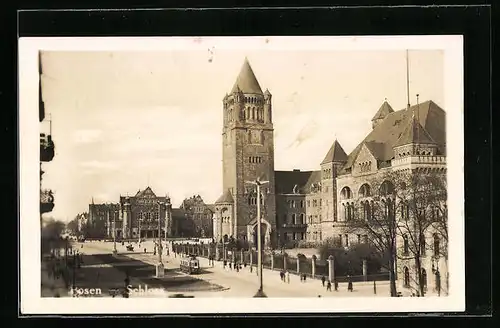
{"x": 260, "y": 292}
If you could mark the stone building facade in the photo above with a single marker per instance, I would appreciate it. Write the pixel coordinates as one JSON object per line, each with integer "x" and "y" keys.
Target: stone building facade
{"x": 201, "y": 215}
{"x": 411, "y": 140}
{"x": 136, "y": 216}
{"x": 314, "y": 205}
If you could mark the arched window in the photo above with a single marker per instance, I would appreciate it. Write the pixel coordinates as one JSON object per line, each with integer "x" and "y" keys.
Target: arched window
{"x": 302, "y": 218}
{"x": 346, "y": 193}
{"x": 422, "y": 244}
{"x": 364, "y": 190}
{"x": 405, "y": 211}
{"x": 436, "y": 245}
{"x": 405, "y": 245}
{"x": 294, "y": 218}
{"x": 386, "y": 188}
{"x": 424, "y": 279}
{"x": 406, "y": 274}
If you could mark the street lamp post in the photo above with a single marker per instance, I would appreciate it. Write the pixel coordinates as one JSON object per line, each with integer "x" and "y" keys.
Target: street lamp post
{"x": 139, "y": 224}
{"x": 159, "y": 233}
{"x": 114, "y": 233}
{"x": 260, "y": 292}
{"x": 160, "y": 271}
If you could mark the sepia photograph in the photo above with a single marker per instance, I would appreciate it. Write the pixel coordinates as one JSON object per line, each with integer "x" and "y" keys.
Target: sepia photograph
{"x": 242, "y": 173}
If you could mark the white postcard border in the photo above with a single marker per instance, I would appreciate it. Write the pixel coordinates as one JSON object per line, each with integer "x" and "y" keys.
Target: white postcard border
{"x": 29, "y": 224}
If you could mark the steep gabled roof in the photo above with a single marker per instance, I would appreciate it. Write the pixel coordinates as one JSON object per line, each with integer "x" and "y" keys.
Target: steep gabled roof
{"x": 335, "y": 154}
{"x": 414, "y": 134}
{"x": 384, "y": 136}
{"x": 144, "y": 192}
{"x": 226, "y": 198}
{"x": 383, "y": 111}
{"x": 246, "y": 81}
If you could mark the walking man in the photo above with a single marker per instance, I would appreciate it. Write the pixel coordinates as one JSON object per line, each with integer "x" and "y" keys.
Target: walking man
{"x": 329, "y": 286}
{"x": 323, "y": 280}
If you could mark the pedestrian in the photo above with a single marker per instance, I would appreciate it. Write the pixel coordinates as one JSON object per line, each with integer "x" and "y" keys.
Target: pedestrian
{"x": 336, "y": 284}
{"x": 282, "y": 276}
{"x": 287, "y": 276}
{"x": 230, "y": 267}
{"x": 144, "y": 250}
{"x": 237, "y": 268}
{"x": 349, "y": 285}
{"x": 224, "y": 264}
{"x": 329, "y": 286}
{"x": 305, "y": 276}
{"x": 323, "y": 280}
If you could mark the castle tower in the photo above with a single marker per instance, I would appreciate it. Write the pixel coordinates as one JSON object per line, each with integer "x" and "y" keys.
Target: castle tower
{"x": 248, "y": 154}
{"x": 330, "y": 166}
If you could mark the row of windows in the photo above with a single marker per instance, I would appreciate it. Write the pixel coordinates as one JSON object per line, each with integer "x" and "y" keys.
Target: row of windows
{"x": 255, "y": 159}
{"x": 289, "y": 236}
{"x": 315, "y": 202}
{"x": 365, "y": 167}
{"x": 327, "y": 173}
{"x": 366, "y": 211}
{"x": 301, "y": 218}
{"x": 386, "y": 188}
{"x": 421, "y": 245}
{"x": 253, "y": 201}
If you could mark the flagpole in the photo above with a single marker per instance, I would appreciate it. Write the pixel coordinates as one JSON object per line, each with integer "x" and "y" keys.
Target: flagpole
{"x": 407, "y": 81}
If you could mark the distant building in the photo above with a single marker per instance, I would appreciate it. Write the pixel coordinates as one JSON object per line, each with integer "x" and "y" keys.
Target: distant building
{"x": 134, "y": 216}
{"x": 201, "y": 214}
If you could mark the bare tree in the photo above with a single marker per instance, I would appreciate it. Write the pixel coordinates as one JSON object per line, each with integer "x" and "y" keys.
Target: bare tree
{"x": 403, "y": 206}
{"x": 421, "y": 199}
{"x": 374, "y": 216}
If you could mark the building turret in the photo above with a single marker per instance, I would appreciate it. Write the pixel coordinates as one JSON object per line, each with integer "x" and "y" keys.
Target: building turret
{"x": 383, "y": 111}
{"x": 330, "y": 166}
{"x": 268, "y": 118}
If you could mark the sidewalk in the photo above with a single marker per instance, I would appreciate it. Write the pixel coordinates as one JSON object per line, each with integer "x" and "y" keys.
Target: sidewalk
{"x": 311, "y": 287}
{"x": 245, "y": 282}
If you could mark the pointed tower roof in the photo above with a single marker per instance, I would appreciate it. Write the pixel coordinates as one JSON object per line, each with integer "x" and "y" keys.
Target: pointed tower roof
{"x": 246, "y": 81}
{"x": 414, "y": 133}
{"x": 147, "y": 191}
{"x": 335, "y": 154}
{"x": 383, "y": 111}
{"x": 226, "y": 198}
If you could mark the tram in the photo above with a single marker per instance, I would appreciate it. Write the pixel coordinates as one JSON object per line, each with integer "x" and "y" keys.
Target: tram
{"x": 190, "y": 264}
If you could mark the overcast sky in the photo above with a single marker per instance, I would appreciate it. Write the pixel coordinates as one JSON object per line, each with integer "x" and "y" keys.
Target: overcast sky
{"x": 125, "y": 120}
